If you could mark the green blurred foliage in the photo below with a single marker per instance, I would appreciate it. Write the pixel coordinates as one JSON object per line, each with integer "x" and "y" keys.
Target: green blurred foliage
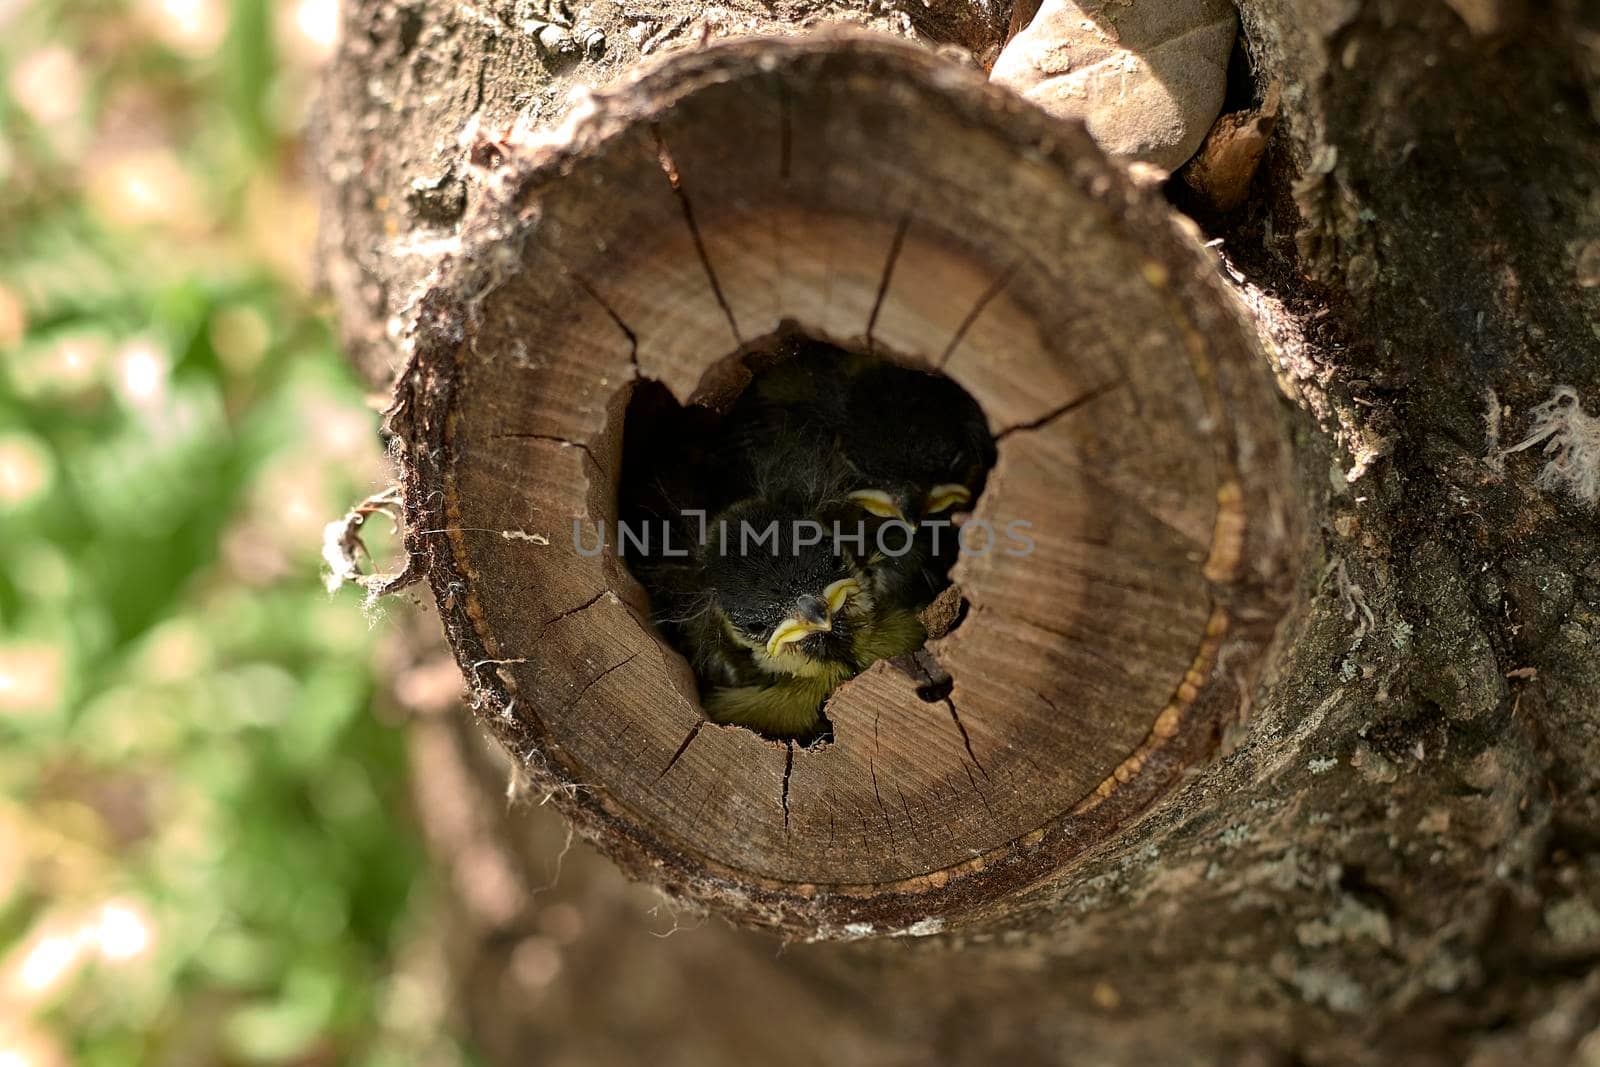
{"x": 205, "y": 856}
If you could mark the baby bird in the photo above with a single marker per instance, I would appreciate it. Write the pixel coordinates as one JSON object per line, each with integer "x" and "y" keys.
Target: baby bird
{"x": 784, "y": 427}
{"x": 783, "y": 618}
{"x": 773, "y": 611}
{"x": 917, "y": 443}
{"x": 918, "y": 449}
{"x": 912, "y": 447}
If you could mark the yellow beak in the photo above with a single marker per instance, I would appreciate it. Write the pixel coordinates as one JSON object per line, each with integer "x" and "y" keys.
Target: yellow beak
{"x": 837, "y": 593}
{"x": 942, "y": 497}
{"x": 792, "y": 630}
{"x": 876, "y": 502}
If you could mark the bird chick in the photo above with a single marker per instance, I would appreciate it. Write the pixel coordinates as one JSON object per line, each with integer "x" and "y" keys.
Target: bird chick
{"x": 774, "y": 611}
{"x": 783, "y": 428}
{"x": 785, "y": 620}
{"x": 917, "y": 448}
{"x": 909, "y": 447}
{"x": 918, "y": 445}
{"x": 915, "y": 444}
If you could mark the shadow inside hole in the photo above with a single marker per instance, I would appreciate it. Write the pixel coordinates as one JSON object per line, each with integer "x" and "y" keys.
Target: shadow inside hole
{"x": 795, "y": 534}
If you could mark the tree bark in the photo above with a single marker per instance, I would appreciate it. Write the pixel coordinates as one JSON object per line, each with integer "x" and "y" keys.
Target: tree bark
{"x": 1396, "y": 850}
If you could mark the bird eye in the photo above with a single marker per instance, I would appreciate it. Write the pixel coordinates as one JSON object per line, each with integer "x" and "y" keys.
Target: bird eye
{"x": 840, "y": 591}
{"x": 876, "y": 502}
{"x": 943, "y": 497}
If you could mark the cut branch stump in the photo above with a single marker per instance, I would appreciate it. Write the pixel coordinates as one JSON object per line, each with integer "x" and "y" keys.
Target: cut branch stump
{"x": 877, "y": 196}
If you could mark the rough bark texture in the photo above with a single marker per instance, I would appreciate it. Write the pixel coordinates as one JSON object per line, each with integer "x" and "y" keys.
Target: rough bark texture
{"x": 1398, "y": 853}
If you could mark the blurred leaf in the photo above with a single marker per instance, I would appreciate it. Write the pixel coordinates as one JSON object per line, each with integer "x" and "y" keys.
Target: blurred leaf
{"x": 249, "y": 59}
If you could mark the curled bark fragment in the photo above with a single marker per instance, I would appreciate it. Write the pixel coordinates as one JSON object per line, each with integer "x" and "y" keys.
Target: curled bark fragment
{"x": 343, "y": 548}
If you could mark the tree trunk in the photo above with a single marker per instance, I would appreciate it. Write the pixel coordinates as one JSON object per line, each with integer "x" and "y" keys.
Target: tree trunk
{"x": 1345, "y": 820}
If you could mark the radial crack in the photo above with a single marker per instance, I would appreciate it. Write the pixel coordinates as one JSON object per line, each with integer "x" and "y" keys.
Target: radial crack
{"x": 670, "y": 169}
{"x": 888, "y": 826}
{"x": 906, "y": 806}
{"x": 888, "y": 275}
{"x": 597, "y": 679}
{"x": 694, "y": 732}
{"x": 955, "y": 718}
{"x": 1070, "y": 406}
{"x": 978, "y": 789}
{"x": 587, "y": 604}
{"x": 591, "y": 602}
{"x": 934, "y": 687}
{"x": 611, "y": 312}
{"x": 972, "y": 316}
{"x": 788, "y": 768}
{"x": 872, "y": 769}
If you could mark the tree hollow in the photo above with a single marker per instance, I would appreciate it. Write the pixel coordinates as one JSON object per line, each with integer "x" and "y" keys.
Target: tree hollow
{"x": 878, "y": 197}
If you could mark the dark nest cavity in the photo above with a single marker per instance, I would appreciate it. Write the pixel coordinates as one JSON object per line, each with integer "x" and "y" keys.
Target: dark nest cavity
{"x": 797, "y": 536}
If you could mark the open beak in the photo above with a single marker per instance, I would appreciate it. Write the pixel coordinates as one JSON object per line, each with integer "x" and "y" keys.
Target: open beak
{"x": 840, "y": 591}
{"x": 877, "y": 502}
{"x": 949, "y": 495}
{"x": 811, "y": 615}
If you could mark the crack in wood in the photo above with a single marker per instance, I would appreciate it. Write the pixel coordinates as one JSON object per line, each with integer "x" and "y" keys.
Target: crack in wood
{"x": 888, "y": 826}
{"x": 911, "y": 823}
{"x": 1065, "y": 409}
{"x": 788, "y": 768}
{"x": 694, "y": 732}
{"x": 976, "y": 788}
{"x": 670, "y": 169}
{"x": 936, "y": 681}
{"x": 1055, "y": 710}
{"x": 887, "y": 276}
{"x": 597, "y": 679}
{"x": 955, "y": 717}
{"x": 972, "y": 316}
{"x": 586, "y": 605}
{"x": 704, "y": 800}
{"x": 872, "y": 769}
{"x": 612, "y": 314}
{"x": 556, "y": 438}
